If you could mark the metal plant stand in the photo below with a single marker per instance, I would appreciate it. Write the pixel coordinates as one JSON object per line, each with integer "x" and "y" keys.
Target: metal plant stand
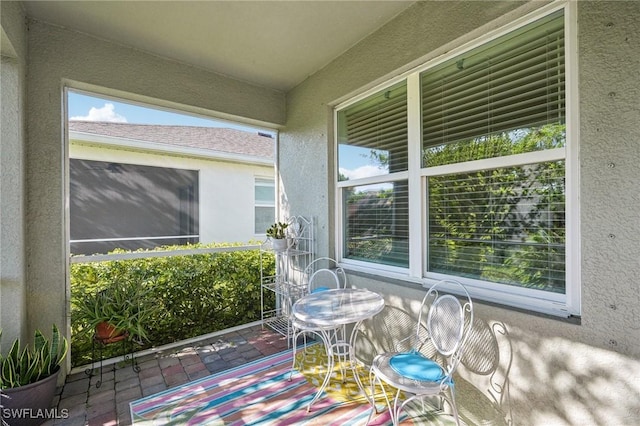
{"x": 289, "y": 282}
{"x": 98, "y": 344}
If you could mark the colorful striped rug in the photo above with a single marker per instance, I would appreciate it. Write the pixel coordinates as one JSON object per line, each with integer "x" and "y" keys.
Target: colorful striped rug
{"x": 260, "y": 393}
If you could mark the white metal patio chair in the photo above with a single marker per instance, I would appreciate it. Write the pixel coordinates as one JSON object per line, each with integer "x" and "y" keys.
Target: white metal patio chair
{"x": 324, "y": 273}
{"x": 414, "y": 375}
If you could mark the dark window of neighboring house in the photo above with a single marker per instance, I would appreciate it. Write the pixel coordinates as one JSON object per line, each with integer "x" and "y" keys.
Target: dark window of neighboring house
{"x": 128, "y": 206}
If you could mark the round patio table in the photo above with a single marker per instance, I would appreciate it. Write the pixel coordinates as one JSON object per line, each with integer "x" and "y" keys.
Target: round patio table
{"x": 328, "y": 313}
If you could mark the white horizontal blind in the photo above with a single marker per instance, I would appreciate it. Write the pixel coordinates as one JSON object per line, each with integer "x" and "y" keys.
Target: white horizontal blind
{"x": 504, "y": 225}
{"x": 377, "y": 223}
{"x": 515, "y": 82}
{"x": 377, "y": 123}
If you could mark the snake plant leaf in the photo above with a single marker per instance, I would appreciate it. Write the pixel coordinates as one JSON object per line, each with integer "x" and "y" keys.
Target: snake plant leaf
{"x": 55, "y": 347}
{"x": 22, "y": 367}
{"x": 30, "y": 374}
{"x": 8, "y": 372}
{"x": 14, "y": 351}
{"x": 56, "y": 353}
{"x": 41, "y": 363}
{"x": 39, "y": 340}
{"x": 46, "y": 360}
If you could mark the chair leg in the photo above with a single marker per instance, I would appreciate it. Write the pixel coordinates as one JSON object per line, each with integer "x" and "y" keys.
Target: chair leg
{"x": 393, "y": 408}
{"x": 397, "y": 408}
{"x": 373, "y": 378}
{"x": 372, "y": 384}
{"x": 453, "y": 406}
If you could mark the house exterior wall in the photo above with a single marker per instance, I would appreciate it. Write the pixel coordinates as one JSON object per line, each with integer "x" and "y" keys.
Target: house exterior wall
{"x": 226, "y": 189}
{"x": 57, "y": 57}
{"x": 561, "y": 372}
{"x": 13, "y": 312}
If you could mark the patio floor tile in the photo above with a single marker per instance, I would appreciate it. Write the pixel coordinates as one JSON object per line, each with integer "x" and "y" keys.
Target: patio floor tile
{"x": 176, "y": 379}
{"x": 149, "y": 372}
{"x": 150, "y": 390}
{"x": 108, "y": 405}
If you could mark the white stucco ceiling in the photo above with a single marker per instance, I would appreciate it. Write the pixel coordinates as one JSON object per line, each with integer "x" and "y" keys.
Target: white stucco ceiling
{"x": 274, "y": 44}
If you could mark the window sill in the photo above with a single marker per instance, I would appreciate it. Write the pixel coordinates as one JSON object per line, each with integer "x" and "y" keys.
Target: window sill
{"x": 404, "y": 281}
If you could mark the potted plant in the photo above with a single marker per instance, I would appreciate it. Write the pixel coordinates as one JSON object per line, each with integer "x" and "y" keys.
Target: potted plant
{"x": 28, "y": 378}
{"x": 278, "y": 236}
{"x": 120, "y": 310}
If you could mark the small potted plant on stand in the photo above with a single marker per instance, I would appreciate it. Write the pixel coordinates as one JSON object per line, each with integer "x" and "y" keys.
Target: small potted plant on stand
{"x": 277, "y": 235}
{"x": 28, "y": 378}
{"x": 119, "y": 312}
{"x": 116, "y": 312}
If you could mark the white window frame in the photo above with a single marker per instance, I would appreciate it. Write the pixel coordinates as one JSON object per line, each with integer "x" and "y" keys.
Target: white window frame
{"x": 562, "y": 305}
{"x": 265, "y": 181}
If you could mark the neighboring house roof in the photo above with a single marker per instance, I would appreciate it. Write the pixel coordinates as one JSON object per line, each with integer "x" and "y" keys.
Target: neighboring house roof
{"x": 217, "y": 139}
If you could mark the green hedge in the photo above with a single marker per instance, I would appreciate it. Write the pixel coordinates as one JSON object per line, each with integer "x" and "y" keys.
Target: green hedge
{"x": 198, "y": 294}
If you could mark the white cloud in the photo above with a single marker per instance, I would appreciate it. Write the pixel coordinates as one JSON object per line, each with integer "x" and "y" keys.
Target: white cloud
{"x": 367, "y": 171}
{"x": 363, "y": 172}
{"x": 106, "y": 113}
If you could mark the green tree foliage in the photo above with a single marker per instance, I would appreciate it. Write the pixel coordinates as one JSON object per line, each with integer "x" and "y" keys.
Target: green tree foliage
{"x": 197, "y": 294}
{"x": 501, "y": 144}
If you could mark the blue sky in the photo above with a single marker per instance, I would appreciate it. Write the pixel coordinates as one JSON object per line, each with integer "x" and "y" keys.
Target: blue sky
{"x": 354, "y": 162}
{"x": 89, "y": 108}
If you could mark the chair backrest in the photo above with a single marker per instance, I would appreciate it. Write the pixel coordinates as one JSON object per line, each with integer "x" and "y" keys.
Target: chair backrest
{"x": 449, "y": 319}
{"x": 325, "y": 273}
{"x": 323, "y": 279}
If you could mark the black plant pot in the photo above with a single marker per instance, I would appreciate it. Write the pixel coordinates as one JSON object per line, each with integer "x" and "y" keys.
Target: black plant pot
{"x": 29, "y": 405}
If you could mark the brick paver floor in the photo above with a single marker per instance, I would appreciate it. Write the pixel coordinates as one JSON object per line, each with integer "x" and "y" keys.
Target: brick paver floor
{"x": 108, "y": 405}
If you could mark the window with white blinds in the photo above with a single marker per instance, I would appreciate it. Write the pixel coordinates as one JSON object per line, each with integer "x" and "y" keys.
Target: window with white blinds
{"x": 372, "y": 135}
{"x": 515, "y": 82}
{"x": 372, "y": 145}
{"x": 264, "y": 204}
{"x": 505, "y": 225}
{"x": 491, "y": 171}
{"x": 511, "y": 87}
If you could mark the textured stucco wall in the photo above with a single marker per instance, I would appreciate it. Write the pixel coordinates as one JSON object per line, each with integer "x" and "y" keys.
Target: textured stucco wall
{"x": 561, "y": 373}
{"x": 13, "y": 314}
{"x": 56, "y": 56}
{"x": 609, "y": 36}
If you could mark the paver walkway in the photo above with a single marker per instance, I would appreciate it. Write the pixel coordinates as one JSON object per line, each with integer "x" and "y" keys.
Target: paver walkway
{"x": 84, "y": 404}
